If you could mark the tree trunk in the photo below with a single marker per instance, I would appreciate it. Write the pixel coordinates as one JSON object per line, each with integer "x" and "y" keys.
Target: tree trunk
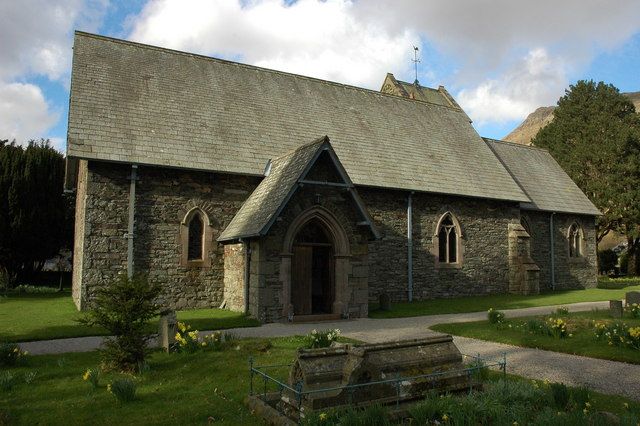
{"x": 633, "y": 248}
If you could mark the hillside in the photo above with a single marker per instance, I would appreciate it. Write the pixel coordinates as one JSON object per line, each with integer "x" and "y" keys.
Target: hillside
{"x": 543, "y": 116}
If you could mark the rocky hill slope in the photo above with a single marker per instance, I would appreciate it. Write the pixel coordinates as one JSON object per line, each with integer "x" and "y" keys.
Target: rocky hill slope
{"x": 543, "y": 116}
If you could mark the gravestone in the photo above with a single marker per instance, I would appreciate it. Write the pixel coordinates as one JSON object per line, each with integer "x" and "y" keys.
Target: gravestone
{"x": 632, "y": 297}
{"x": 168, "y": 328}
{"x": 615, "y": 308}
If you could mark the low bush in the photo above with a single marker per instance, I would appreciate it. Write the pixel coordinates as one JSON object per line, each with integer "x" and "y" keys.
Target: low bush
{"x": 495, "y": 317}
{"x": 321, "y": 339}
{"x": 124, "y": 308}
{"x": 618, "y": 333}
{"x": 123, "y": 389}
{"x": 633, "y": 310}
{"x": 558, "y": 327}
{"x": 11, "y": 354}
{"x": 33, "y": 289}
{"x": 562, "y": 311}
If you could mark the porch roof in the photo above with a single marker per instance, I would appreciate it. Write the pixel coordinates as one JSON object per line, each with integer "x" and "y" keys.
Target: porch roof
{"x": 283, "y": 176}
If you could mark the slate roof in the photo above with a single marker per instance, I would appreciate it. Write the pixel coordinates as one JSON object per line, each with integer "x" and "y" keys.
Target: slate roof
{"x": 140, "y": 104}
{"x": 542, "y": 179}
{"x": 265, "y": 203}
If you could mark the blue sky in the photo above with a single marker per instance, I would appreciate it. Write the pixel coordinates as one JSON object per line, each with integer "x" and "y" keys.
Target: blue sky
{"x": 500, "y": 59}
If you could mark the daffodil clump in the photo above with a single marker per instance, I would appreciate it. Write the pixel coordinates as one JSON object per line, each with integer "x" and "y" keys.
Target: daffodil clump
{"x": 11, "y": 354}
{"x": 618, "y": 334}
{"x": 558, "y": 327}
{"x": 495, "y": 317}
{"x": 188, "y": 340}
{"x": 321, "y": 339}
{"x": 92, "y": 376}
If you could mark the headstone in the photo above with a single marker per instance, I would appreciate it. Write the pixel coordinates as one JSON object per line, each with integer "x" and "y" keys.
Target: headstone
{"x": 385, "y": 302}
{"x": 168, "y": 328}
{"x": 632, "y": 297}
{"x": 615, "y": 308}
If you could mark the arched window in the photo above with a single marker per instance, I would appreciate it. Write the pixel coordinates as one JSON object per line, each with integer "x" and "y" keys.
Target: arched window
{"x": 447, "y": 238}
{"x": 575, "y": 240}
{"x": 196, "y": 237}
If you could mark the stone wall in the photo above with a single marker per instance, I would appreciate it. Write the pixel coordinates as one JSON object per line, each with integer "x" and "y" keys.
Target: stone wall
{"x": 234, "y": 276}
{"x": 570, "y": 273}
{"x": 163, "y": 198}
{"x": 484, "y": 223}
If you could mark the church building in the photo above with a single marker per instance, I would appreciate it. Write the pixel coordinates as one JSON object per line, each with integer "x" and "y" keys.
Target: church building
{"x": 292, "y": 198}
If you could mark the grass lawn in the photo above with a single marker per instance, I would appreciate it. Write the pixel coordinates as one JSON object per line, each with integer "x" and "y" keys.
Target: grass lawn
{"x": 579, "y": 324}
{"x": 51, "y": 316}
{"x": 205, "y": 387}
{"x": 503, "y": 301}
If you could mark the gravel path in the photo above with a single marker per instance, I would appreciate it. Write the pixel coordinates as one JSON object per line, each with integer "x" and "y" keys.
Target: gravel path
{"x": 600, "y": 375}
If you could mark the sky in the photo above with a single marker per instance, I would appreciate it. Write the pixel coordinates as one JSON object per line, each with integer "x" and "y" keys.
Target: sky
{"x": 500, "y": 59}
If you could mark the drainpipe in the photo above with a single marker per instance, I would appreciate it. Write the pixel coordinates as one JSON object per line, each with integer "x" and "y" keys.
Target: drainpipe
{"x": 410, "y": 246}
{"x": 132, "y": 210}
{"x": 247, "y": 274}
{"x": 552, "y": 250}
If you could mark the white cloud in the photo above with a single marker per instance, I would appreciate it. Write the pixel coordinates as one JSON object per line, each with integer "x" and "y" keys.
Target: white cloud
{"x": 24, "y": 113}
{"x": 358, "y": 42}
{"x": 537, "y": 79}
{"x": 37, "y": 41}
{"x": 319, "y": 39}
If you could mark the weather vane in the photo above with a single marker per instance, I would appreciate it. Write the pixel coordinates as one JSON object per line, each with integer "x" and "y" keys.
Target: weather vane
{"x": 415, "y": 62}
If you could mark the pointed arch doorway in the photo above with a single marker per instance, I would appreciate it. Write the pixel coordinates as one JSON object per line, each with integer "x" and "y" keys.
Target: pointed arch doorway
{"x": 315, "y": 266}
{"x": 312, "y": 277}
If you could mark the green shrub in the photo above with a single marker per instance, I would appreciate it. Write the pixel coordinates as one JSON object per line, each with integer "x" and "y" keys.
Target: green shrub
{"x": 560, "y": 394}
{"x": 11, "y": 354}
{"x": 321, "y": 339}
{"x": 562, "y": 311}
{"x": 607, "y": 260}
{"x": 558, "y": 327}
{"x": 123, "y": 389}
{"x": 633, "y": 310}
{"x": 495, "y": 317}
{"x": 124, "y": 308}
{"x": 32, "y": 289}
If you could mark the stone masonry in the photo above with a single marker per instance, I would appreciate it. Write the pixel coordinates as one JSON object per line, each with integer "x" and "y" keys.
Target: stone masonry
{"x": 570, "y": 273}
{"x": 164, "y": 196}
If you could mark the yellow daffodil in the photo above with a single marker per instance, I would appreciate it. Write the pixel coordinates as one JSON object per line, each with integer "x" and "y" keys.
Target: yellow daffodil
{"x": 445, "y": 418}
{"x": 323, "y": 416}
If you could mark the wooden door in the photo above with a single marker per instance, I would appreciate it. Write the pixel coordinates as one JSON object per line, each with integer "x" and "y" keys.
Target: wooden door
{"x": 301, "y": 274}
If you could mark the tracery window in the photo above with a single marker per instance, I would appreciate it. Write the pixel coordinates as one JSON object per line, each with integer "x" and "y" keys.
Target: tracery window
{"x": 575, "y": 240}
{"x": 448, "y": 237}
